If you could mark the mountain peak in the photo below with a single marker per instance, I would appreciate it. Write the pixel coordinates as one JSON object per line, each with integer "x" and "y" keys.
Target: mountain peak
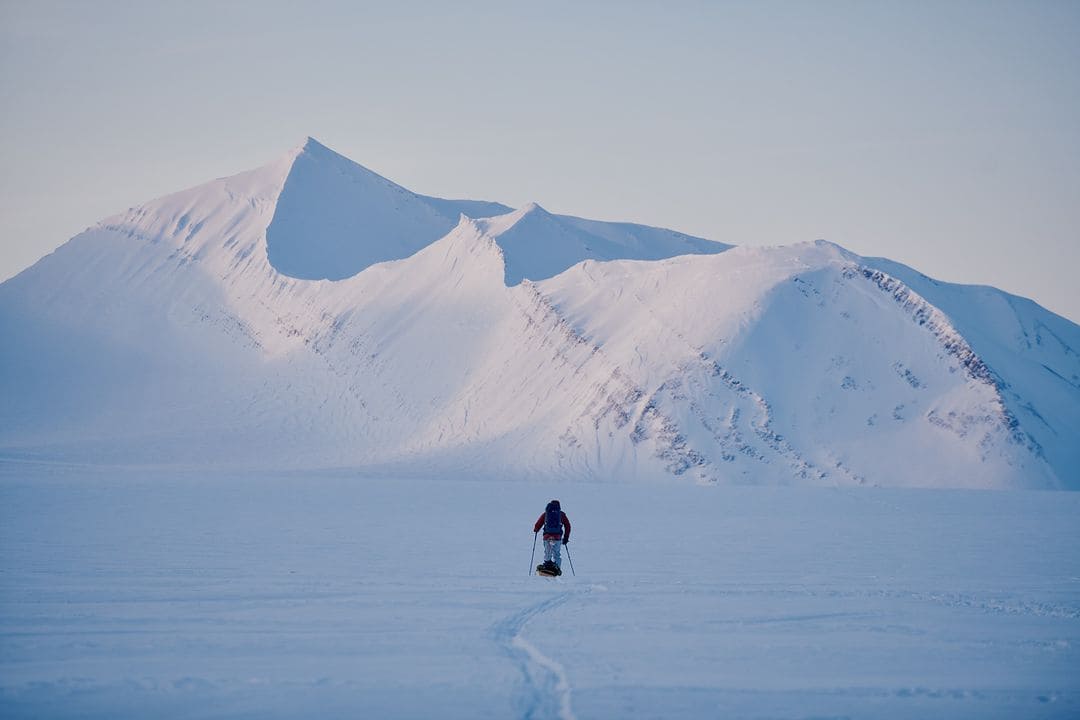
{"x": 312, "y": 149}
{"x": 532, "y": 208}
{"x": 526, "y": 214}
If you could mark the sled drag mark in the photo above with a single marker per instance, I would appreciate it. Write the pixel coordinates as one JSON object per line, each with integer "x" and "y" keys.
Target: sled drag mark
{"x": 546, "y": 692}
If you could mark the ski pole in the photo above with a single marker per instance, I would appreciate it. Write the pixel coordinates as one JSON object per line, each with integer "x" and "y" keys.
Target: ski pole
{"x": 533, "y": 556}
{"x": 567, "y": 549}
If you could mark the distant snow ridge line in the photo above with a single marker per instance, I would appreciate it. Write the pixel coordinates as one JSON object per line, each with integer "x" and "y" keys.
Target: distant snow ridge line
{"x": 204, "y": 328}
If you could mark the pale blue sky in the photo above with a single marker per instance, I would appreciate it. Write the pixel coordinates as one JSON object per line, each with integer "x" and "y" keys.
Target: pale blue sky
{"x": 945, "y": 135}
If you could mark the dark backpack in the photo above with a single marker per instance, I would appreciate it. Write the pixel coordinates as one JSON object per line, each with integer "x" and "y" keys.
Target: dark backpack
{"x": 553, "y": 519}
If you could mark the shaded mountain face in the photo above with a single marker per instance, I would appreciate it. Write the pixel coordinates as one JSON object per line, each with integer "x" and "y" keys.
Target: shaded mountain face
{"x": 311, "y": 314}
{"x": 333, "y": 218}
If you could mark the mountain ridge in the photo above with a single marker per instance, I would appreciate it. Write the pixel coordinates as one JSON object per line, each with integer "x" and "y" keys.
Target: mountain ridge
{"x": 524, "y": 344}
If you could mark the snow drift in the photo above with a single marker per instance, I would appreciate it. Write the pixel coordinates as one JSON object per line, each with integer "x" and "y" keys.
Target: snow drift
{"x": 313, "y": 314}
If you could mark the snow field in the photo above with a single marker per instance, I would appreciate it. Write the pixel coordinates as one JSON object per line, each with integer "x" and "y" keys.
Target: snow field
{"x": 143, "y": 594}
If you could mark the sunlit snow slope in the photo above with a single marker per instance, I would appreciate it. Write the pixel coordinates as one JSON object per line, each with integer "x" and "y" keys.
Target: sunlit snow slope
{"x": 311, "y": 313}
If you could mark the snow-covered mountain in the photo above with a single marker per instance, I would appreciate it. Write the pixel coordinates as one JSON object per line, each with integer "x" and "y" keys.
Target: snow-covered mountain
{"x": 313, "y": 314}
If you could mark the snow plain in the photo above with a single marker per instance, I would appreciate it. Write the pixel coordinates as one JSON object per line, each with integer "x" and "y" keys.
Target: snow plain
{"x": 136, "y": 594}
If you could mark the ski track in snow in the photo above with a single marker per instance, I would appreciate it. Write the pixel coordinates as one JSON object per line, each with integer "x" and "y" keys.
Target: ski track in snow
{"x": 547, "y": 689}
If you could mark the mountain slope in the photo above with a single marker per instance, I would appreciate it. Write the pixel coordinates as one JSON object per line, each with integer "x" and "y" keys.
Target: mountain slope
{"x": 1032, "y": 356}
{"x": 805, "y": 363}
{"x": 202, "y": 328}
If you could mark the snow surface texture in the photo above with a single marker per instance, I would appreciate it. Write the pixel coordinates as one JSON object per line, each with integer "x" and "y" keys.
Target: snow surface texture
{"x": 128, "y": 595}
{"x": 311, "y": 314}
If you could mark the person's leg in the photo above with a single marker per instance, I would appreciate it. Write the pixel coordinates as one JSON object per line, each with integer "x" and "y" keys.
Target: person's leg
{"x": 556, "y": 548}
{"x": 549, "y": 549}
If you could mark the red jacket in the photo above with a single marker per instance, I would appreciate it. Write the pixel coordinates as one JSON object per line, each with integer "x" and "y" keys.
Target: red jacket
{"x": 551, "y": 536}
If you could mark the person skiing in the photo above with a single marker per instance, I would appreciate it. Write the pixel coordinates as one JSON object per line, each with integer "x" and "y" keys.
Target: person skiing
{"x": 553, "y": 520}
